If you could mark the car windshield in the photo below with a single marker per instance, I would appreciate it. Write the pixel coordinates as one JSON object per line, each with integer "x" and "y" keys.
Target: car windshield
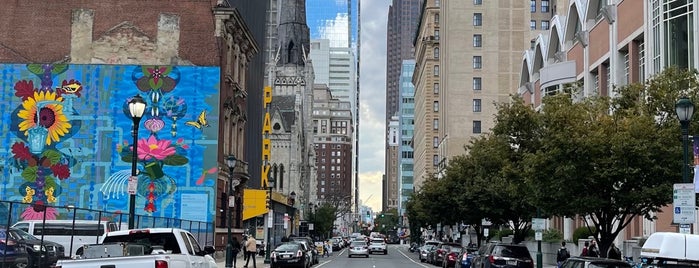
{"x": 22, "y": 234}
{"x": 358, "y": 244}
{"x": 456, "y": 249}
{"x": 287, "y": 247}
{"x": 511, "y": 251}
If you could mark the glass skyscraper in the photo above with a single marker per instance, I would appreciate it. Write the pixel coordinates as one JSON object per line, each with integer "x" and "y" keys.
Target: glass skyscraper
{"x": 406, "y": 126}
{"x": 335, "y": 20}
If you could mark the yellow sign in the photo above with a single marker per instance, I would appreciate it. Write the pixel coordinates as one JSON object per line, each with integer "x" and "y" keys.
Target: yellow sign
{"x": 254, "y": 203}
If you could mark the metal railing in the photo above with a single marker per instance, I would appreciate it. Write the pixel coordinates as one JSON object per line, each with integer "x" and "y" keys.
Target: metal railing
{"x": 63, "y": 221}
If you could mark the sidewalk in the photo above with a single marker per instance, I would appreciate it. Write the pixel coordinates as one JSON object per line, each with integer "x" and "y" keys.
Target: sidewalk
{"x": 260, "y": 260}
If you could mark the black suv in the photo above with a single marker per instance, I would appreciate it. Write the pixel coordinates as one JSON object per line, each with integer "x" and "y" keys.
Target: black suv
{"x": 585, "y": 262}
{"x": 40, "y": 255}
{"x": 502, "y": 255}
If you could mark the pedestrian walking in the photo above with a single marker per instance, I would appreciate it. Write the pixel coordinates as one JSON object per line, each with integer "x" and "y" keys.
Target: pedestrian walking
{"x": 236, "y": 248}
{"x": 585, "y": 249}
{"x": 251, "y": 250}
{"x": 562, "y": 255}
{"x": 593, "y": 251}
{"x": 614, "y": 252}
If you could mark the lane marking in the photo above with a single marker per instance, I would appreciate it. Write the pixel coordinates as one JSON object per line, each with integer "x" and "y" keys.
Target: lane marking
{"x": 418, "y": 263}
{"x": 328, "y": 261}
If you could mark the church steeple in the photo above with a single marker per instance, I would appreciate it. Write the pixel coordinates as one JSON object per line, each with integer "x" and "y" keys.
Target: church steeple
{"x": 294, "y": 37}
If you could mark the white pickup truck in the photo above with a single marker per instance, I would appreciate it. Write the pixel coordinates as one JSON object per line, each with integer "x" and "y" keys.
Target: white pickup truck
{"x": 144, "y": 248}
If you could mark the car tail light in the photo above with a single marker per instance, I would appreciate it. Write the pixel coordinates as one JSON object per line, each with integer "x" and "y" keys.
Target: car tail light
{"x": 146, "y": 231}
{"x": 160, "y": 264}
{"x": 299, "y": 254}
{"x": 491, "y": 258}
{"x": 464, "y": 257}
{"x": 451, "y": 257}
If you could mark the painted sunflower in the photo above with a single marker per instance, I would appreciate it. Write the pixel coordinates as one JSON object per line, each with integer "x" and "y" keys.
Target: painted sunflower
{"x": 50, "y": 115}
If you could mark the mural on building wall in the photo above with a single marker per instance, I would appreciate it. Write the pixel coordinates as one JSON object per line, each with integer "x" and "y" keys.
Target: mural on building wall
{"x": 66, "y": 138}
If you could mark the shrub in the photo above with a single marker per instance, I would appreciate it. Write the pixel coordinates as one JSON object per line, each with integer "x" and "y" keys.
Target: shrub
{"x": 552, "y": 235}
{"x": 583, "y": 232}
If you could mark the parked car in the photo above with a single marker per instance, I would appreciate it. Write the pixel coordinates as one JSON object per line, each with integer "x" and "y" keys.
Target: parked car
{"x": 378, "y": 245}
{"x": 40, "y": 254}
{"x": 71, "y": 234}
{"x": 587, "y": 262}
{"x": 12, "y": 254}
{"x": 358, "y": 248}
{"x": 442, "y": 250}
{"x": 500, "y": 255}
{"x": 309, "y": 242}
{"x": 425, "y": 250}
{"x": 451, "y": 254}
{"x": 290, "y": 254}
{"x": 465, "y": 257}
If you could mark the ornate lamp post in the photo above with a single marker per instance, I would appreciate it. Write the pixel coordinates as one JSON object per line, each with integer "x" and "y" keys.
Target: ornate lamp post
{"x": 685, "y": 109}
{"x": 270, "y": 187}
{"x": 232, "y": 183}
{"x": 137, "y": 106}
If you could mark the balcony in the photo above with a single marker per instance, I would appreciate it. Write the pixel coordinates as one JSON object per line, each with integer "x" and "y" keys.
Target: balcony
{"x": 557, "y": 74}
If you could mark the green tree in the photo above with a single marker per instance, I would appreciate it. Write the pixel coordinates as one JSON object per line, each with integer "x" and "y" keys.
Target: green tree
{"x": 607, "y": 167}
{"x": 323, "y": 219}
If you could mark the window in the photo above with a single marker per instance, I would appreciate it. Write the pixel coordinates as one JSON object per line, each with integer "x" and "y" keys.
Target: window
{"x": 436, "y": 19}
{"x": 436, "y": 2}
{"x": 477, "y": 40}
{"x": 532, "y": 25}
{"x": 477, "y": 105}
{"x": 435, "y": 88}
{"x": 436, "y": 70}
{"x": 532, "y": 4}
{"x": 435, "y": 124}
{"x": 435, "y": 106}
{"x": 436, "y": 53}
{"x": 477, "y": 19}
{"x": 435, "y": 142}
{"x": 477, "y": 82}
{"x": 544, "y": 25}
{"x": 435, "y": 160}
{"x": 436, "y": 34}
{"x": 477, "y": 62}
{"x": 477, "y": 2}
{"x": 545, "y": 6}
{"x": 476, "y": 126}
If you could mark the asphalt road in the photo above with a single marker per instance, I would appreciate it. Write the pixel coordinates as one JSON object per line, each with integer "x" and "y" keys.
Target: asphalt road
{"x": 398, "y": 256}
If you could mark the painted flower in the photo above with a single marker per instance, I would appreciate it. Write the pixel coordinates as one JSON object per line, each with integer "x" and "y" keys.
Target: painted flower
{"x": 154, "y": 124}
{"x": 61, "y": 171}
{"x": 153, "y": 148}
{"x": 36, "y": 212}
{"x": 50, "y": 115}
{"x": 21, "y": 151}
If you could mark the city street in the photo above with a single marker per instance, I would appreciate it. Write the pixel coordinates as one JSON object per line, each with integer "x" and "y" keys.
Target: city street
{"x": 398, "y": 256}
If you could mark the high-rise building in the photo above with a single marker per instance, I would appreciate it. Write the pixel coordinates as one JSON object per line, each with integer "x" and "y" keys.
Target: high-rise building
{"x": 406, "y": 121}
{"x": 336, "y": 67}
{"x": 427, "y": 93}
{"x": 402, "y": 21}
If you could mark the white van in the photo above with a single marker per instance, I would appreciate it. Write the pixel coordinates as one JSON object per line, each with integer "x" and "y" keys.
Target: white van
{"x": 72, "y": 235}
{"x": 663, "y": 249}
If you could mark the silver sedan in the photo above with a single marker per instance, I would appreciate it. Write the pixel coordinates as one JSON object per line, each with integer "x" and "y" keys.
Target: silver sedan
{"x": 358, "y": 248}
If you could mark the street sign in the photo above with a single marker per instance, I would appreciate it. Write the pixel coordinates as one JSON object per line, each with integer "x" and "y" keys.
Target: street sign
{"x": 133, "y": 185}
{"x": 231, "y": 201}
{"x": 538, "y": 224}
{"x": 538, "y": 235}
{"x": 310, "y": 226}
{"x": 286, "y": 221}
{"x": 684, "y": 203}
{"x": 270, "y": 219}
{"x": 685, "y": 229}
{"x": 485, "y": 232}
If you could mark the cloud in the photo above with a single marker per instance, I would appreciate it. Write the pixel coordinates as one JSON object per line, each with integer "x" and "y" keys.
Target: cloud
{"x": 372, "y": 114}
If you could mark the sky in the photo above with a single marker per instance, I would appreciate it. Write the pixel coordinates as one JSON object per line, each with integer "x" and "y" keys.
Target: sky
{"x": 372, "y": 96}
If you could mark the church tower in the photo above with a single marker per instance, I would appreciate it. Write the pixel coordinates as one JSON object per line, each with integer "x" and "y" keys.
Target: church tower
{"x": 294, "y": 36}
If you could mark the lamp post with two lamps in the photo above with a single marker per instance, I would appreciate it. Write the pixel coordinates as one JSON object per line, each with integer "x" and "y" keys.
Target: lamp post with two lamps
{"x": 137, "y": 106}
{"x": 270, "y": 219}
{"x": 232, "y": 183}
{"x": 685, "y": 109}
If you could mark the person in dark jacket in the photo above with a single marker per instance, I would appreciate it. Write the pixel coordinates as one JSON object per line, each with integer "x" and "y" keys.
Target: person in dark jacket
{"x": 236, "y": 248}
{"x": 593, "y": 251}
{"x": 614, "y": 252}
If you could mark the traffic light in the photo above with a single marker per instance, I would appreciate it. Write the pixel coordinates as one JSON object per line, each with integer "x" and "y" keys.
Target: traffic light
{"x": 367, "y": 214}
{"x": 382, "y": 215}
{"x": 267, "y": 200}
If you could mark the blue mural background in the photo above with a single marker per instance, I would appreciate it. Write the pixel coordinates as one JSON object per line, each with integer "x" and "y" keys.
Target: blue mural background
{"x": 83, "y": 158}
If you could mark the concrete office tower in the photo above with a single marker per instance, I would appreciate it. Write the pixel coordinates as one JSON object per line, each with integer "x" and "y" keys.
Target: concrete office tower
{"x": 336, "y": 67}
{"x": 403, "y": 16}
{"x": 406, "y": 125}
{"x": 427, "y": 91}
{"x": 290, "y": 74}
{"x": 480, "y": 72}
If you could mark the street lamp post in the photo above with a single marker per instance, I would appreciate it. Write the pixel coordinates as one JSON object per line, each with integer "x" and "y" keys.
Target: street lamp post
{"x": 685, "y": 109}
{"x": 137, "y": 106}
{"x": 232, "y": 183}
{"x": 270, "y": 219}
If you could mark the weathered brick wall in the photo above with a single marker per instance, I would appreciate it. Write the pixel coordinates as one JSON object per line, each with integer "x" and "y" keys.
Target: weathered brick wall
{"x": 124, "y": 31}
